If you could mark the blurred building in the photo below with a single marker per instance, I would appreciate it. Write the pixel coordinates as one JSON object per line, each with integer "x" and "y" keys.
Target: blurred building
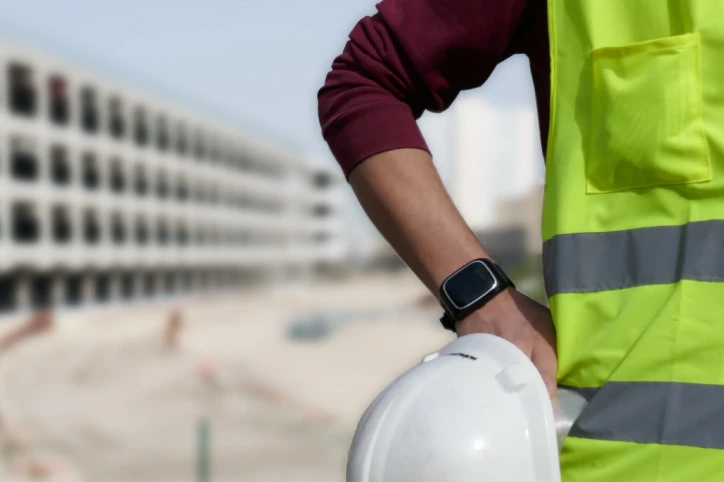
{"x": 321, "y": 216}
{"x": 524, "y": 212}
{"x": 496, "y": 174}
{"x": 107, "y": 192}
{"x": 496, "y": 156}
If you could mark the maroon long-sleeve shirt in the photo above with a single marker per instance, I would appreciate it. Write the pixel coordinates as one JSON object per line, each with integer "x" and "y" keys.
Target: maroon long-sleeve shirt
{"x": 417, "y": 55}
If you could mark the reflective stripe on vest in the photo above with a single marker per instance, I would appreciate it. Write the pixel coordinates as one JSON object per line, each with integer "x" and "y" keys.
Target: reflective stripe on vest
{"x": 685, "y": 414}
{"x": 633, "y": 230}
{"x": 588, "y": 262}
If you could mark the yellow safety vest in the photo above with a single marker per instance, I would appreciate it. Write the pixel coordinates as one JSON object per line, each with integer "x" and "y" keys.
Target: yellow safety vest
{"x": 633, "y": 232}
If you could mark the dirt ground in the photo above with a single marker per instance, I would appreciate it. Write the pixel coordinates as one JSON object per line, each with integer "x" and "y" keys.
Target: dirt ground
{"x": 101, "y": 398}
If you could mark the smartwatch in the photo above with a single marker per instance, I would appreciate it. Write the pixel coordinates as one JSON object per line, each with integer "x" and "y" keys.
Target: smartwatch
{"x": 469, "y": 289}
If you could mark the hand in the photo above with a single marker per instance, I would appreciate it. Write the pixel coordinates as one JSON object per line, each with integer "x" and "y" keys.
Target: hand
{"x": 525, "y": 323}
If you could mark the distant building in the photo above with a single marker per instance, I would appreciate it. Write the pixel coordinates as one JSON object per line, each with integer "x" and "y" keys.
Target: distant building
{"x": 525, "y": 213}
{"x": 506, "y": 245}
{"x": 322, "y": 217}
{"x": 471, "y": 186}
{"x": 496, "y": 155}
{"x": 107, "y": 192}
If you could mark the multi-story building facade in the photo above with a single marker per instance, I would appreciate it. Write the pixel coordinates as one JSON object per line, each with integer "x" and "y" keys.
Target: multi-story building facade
{"x": 108, "y": 192}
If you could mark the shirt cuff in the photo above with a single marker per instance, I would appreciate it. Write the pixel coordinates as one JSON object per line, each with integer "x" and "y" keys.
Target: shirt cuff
{"x": 360, "y": 134}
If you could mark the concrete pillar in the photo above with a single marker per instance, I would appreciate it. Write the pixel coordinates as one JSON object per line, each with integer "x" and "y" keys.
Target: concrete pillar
{"x": 43, "y": 215}
{"x": 5, "y": 214}
{"x": 23, "y": 292}
{"x": 42, "y": 106}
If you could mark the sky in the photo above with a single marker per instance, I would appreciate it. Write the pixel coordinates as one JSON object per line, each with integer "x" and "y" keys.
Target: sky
{"x": 259, "y": 61}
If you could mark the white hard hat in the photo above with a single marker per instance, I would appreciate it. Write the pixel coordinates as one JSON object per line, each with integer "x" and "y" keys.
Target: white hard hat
{"x": 477, "y": 411}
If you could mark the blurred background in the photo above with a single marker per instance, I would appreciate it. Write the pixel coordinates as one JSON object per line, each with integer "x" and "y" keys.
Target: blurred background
{"x": 188, "y": 288}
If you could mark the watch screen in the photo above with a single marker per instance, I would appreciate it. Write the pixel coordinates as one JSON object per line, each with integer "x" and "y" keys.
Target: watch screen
{"x": 469, "y": 284}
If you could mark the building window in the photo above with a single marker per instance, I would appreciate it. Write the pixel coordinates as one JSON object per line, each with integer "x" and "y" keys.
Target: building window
{"x": 59, "y": 165}
{"x": 321, "y": 211}
{"x": 142, "y": 234}
{"x": 187, "y": 279}
{"x": 213, "y": 148}
{"x": 228, "y": 155}
{"x": 118, "y": 177}
{"x": 200, "y": 236}
{"x": 321, "y": 180}
{"x": 213, "y": 194}
{"x": 182, "y": 144}
{"x": 23, "y": 98}
{"x": 116, "y": 119}
{"x": 182, "y": 235}
{"x": 26, "y": 227}
{"x": 162, "y": 136}
{"x": 229, "y": 237}
{"x": 127, "y": 286}
{"x": 242, "y": 161}
{"x": 103, "y": 287}
{"x": 199, "y": 146}
{"x": 320, "y": 237}
{"x": 163, "y": 235}
{"x": 58, "y": 99}
{"x": 140, "y": 181}
{"x": 62, "y": 227}
{"x": 74, "y": 289}
{"x": 41, "y": 291}
{"x": 149, "y": 284}
{"x": 162, "y": 185}
{"x": 89, "y": 110}
{"x": 170, "y": 282}
{"x": 214, "y": 237}
{"x": 23, "y": 160}
{"x": 91, "y": 228}
{"x": 91, "y": 173}
{"x": 140, "y": 122}
{"x": 200, "y": 193}
{"x": 8, "y": 284}
{"x": 182, "y": 190}
{"x": 118, "y": 230}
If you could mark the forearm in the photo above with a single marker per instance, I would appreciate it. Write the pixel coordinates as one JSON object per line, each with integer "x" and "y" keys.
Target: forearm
{"x": 404, "y": 197}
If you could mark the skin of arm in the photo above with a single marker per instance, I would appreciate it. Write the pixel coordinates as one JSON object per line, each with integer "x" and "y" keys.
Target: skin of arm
{"x": 401, "y": 192}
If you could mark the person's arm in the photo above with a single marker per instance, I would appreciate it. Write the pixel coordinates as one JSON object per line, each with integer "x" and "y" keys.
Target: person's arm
{"x": 417, "y": 55}
{"x": 404, "y": 197}
{"x": 419, "y": 221}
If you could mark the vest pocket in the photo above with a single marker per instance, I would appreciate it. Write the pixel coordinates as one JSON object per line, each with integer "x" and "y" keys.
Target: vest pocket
{"x": 646, "y": 116}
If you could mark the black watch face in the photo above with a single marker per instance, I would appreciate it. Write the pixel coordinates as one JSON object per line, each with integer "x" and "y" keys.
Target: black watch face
{"x": 468, "y": 285}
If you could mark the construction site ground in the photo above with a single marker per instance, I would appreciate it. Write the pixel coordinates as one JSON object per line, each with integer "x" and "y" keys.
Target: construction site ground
{"x": 281, "y": 374}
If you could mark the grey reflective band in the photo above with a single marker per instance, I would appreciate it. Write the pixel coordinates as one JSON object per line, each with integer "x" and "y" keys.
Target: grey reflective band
{"x": 589, "y": 262}
{"x": 685, "y": 414}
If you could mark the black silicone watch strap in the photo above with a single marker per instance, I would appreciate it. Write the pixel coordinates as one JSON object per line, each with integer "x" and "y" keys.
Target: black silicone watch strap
{"x": 449, "y": 320}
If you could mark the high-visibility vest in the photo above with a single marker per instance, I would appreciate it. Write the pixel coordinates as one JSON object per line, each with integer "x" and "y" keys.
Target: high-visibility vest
{"x": 633, "y": 231}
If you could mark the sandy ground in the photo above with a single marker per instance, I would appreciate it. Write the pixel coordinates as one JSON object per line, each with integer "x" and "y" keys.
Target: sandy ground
{"x": 102, "y": 396}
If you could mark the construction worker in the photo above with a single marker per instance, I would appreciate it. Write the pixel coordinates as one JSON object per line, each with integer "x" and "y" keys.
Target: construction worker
{"x": 631, "y": 104}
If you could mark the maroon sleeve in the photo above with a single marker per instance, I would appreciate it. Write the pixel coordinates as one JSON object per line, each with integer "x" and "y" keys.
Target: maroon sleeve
{"x": 412, "y": 56}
